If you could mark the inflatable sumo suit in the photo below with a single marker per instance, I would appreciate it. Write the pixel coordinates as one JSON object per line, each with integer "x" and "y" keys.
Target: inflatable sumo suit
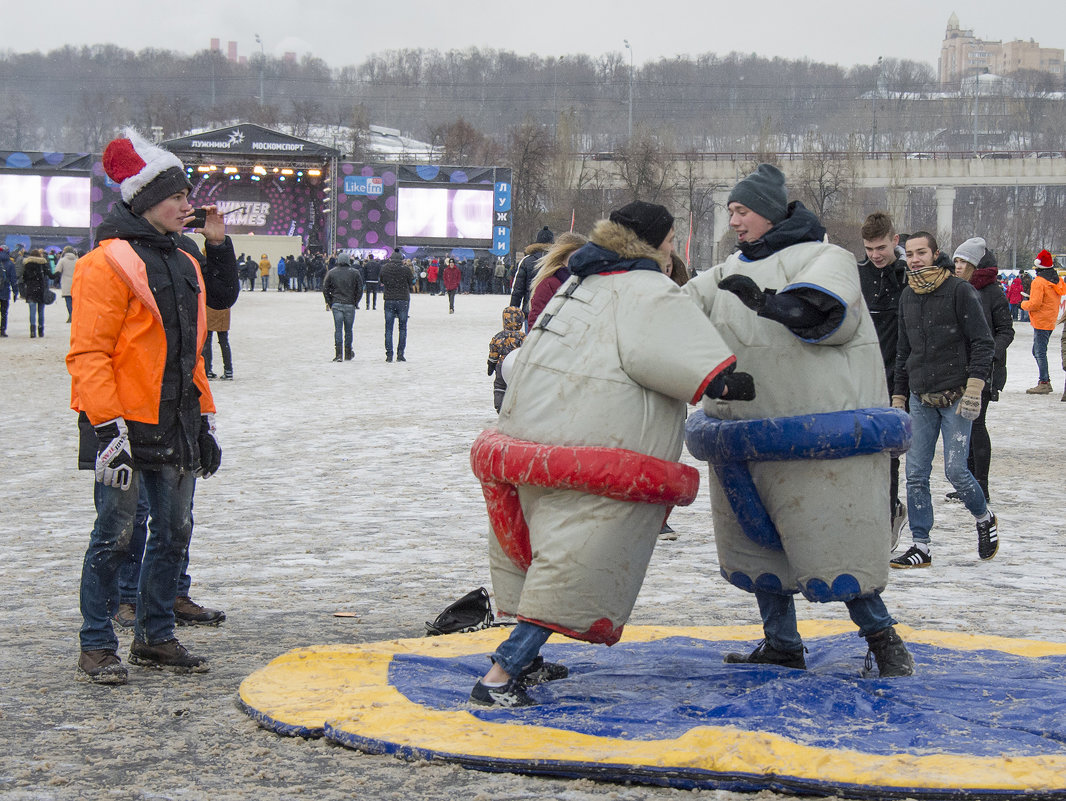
{"x": 832, "y": 515}
{"x": 609, "y": 366}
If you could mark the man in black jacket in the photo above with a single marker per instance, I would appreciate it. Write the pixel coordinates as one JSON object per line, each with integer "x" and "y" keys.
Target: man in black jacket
{"x": 372, "y": 273}
{"x": 343, "y": 289}
{"x": 943, "y": 359}
{"x": 396, "y": 280}
{"x": 883, "y": 277}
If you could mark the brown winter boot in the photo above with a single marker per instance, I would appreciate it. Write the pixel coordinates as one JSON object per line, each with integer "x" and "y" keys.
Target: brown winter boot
{"x": 189, "y": 613}
{"x": 1041, "y": 388}
{"x": 101, "y": 667}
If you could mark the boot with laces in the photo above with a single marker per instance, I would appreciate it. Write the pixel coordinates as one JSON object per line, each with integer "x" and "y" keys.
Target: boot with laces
{"x": 891, "y": 654}
{"x": 101, "y": 667}
{"x": 169, "y": 655}
{"x": 766, "y": 654}
{"x": 189, "y": 613}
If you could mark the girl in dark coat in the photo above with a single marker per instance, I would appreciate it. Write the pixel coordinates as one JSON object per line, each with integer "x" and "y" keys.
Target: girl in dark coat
{"x": 35, "y": 279}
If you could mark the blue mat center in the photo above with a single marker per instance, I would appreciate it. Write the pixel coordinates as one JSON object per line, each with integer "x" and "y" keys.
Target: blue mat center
{"x": 978, "y": 703}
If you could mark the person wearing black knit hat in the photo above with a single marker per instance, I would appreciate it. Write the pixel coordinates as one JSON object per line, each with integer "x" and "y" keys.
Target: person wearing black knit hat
{"x": 139, "y": 325}
{"x": 790, "y": 306}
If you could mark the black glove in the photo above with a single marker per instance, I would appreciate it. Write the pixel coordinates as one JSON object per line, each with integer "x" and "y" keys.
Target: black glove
{"x": 745, "y": 289}
{"x": 492, "y": 367}
{"x": 789, "y": 309}
{"x": 114, "y": 460}
{"x": 731, "y": 386}
{"x": 210, "y": 450}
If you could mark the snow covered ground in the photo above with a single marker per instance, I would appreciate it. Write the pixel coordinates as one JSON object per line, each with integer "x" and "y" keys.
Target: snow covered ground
{"x": 347, "y": 487}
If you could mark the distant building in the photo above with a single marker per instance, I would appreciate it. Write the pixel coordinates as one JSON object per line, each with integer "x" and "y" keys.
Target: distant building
{"x": 963, "y": 55}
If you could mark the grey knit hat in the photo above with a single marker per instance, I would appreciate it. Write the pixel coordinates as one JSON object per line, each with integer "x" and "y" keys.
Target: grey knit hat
{"x": 763, "y": 192}
{"x": 972, "y": 250}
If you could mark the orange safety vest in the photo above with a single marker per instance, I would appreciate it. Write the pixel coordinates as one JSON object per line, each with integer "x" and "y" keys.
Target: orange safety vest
{"x": 118, "y": 346}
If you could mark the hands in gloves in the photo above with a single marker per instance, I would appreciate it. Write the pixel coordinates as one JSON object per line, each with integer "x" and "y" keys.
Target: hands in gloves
{"x": 210, "y": 450}
{"x": 899, "y": 402}
{"x": 788, "y": 308}
{"x": 491, "y": 366}
{"x": 114, "y": 459}
{"x": 732, "y": 386}
{"x": 969, "y": 407}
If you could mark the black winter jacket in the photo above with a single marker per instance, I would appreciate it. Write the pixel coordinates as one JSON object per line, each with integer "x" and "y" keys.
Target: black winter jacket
{"x": 343, "y": 285}
{"x": 881, "y": 289}
{"x": 997, "y": 315}
{"x": 943, "y": 339}
{"x": 524, "y": 275}
{"x": 396, "y": 279}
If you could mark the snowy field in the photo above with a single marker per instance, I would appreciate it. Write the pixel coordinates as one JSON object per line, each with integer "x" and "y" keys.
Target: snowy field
{"x": 346, "y": 487}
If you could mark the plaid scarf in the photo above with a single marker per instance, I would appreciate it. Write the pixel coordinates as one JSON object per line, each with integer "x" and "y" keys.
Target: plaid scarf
{"x": 926, "y": 279}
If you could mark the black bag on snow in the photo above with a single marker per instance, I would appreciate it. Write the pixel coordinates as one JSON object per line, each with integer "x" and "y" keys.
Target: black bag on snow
{"x": 472, "y": 612}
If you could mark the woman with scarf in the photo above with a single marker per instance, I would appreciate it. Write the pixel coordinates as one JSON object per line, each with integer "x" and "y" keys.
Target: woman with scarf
{"x": 976, "y": 263}
{"x": 943, "y": 361}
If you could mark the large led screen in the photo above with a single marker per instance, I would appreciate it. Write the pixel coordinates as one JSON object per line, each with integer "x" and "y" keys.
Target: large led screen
{"x": 44, "y": 201}
{"x": 446, "y": 215}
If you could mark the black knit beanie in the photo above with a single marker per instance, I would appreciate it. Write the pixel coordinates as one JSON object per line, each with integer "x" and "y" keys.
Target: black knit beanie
{"x": 650, "y": 221}
{"x": 171, "y": 181}
{"x": 763, "y": 192}
{"x": 545, "y": 236}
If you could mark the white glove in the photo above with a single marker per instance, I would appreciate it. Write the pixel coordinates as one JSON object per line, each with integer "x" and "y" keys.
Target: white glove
{"x": 114, "y": 460}
{"x": 969, "y": 407}
{"x": 899, "y": 402}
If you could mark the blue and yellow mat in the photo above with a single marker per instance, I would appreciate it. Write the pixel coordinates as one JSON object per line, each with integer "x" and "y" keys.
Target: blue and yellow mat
{"x": 984, "y": 717}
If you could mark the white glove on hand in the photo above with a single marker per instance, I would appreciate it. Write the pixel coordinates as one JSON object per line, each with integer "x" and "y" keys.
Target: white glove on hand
{"x": 969, "y": 407}
{"x": 899, "y": 402}
{"x": 114, "y": 460}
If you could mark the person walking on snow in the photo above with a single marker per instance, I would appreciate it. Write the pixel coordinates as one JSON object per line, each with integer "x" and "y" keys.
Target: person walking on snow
{"x": 1043, "y": 308}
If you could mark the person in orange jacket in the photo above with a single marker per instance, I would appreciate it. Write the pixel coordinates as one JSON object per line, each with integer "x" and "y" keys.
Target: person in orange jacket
{"x": 139, "y": 385}
{"x": 1043, "y": 308}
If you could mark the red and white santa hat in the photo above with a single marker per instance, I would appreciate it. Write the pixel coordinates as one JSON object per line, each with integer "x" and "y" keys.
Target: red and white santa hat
{"x": 146, "y": 173}
{"x": 1044, "y": 259}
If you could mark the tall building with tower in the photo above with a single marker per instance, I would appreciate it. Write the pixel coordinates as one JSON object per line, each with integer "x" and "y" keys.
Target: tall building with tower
{"x": 963, "y": 55}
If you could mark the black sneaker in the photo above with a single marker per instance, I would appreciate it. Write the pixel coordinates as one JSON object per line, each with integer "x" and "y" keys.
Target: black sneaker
{"x": 954, "y": 497}
{"x": 766, "y": 654}
{"x": 893, "y": 658}
{"x": 400, "y": 358}
{"x": 667, "y": 533}
{"x": 101, "y": 667}
{"x": 987, "y": 537}
{"x": 538, "y": 671}
{"x": 510, "y": 694}
{"x": 211, "y": 375}
{"x": 170, "y": 655}
{"x": 189, "y": 613}
{"x": 899, "y": 520}
{"x": 913, "y": 558}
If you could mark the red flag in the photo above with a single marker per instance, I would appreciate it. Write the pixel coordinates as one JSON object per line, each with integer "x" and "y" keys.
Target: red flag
{"x": 688, "y": 241}
{"x": 572, "y": 213}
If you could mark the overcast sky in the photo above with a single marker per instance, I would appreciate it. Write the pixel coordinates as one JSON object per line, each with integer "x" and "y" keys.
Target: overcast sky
{"x": 347, "y": 31}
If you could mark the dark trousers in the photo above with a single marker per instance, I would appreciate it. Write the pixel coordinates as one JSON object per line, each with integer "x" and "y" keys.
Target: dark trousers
{"x": 371, "y": 294}
{"x": 3, "y": 315}
{"x": 980, "y": 446}
{"x": 223, "y": 345}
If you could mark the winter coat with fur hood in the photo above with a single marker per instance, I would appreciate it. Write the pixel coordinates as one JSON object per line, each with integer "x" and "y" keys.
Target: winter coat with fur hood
{"x": 602, "y": 368}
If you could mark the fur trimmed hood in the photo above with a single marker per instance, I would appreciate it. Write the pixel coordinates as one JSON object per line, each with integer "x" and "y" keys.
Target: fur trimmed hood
{"x": 623, "y": 241}
{"x": 537, "y": 247}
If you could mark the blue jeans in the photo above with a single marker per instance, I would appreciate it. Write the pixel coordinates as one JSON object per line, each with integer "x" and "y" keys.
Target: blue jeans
{"x": 778, "y": 613}
{"x": 517, "y": 651}
{"x": 343, "y": 320}
{"x": 927, "y": 425}
{"x": 396, "y": 310}
{"x": 170, "y": 498}
{"x": 264, "y": 279}
{"x": 37, "y": 317}
{"x": 129, "y": 570}
{"x": 1040, "y": 340}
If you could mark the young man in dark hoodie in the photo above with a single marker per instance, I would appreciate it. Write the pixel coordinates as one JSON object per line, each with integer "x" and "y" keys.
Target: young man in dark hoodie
{"x": 139, "y": 384}
{"x": 883, "y": 277}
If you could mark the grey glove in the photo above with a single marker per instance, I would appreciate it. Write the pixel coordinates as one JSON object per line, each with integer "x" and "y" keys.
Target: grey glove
{"x": 114, "y": 459}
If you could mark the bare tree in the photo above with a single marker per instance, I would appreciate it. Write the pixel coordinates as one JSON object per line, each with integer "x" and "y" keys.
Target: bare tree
{"x": 644, "y": 167}
{"x": 306, "y": 112}
{"x": 529, "y": 154}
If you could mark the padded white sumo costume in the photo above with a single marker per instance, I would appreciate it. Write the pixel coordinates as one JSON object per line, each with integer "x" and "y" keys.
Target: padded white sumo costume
{"x": 832, "y": 514}
{"x": 611, "y": 363}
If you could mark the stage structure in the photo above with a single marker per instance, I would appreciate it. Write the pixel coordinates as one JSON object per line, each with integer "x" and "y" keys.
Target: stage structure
{"x": 265, "y": 182}
{"x": 44, "y": 199}
{"x": 426, "y": 210}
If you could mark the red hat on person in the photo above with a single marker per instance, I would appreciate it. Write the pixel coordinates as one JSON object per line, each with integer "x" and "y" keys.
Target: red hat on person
{"x": 1044, "y": 259}
{"x": 146, "y": 173}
